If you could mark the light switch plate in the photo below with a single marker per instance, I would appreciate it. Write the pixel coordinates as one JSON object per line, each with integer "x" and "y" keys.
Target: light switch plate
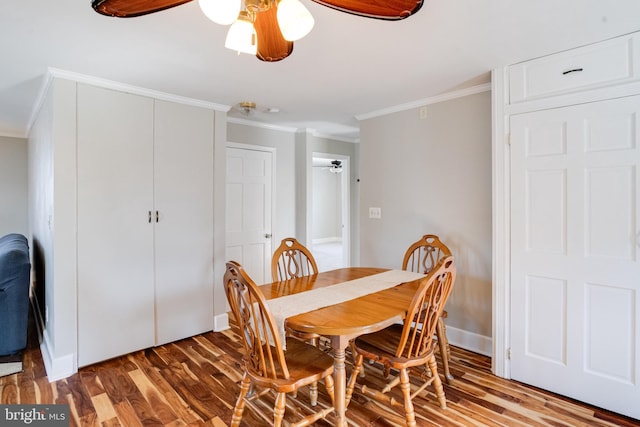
{"x": 375, "y": 213}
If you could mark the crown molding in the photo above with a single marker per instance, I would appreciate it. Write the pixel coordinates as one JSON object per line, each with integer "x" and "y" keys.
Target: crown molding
{"x": 110, "y": 84}
{"x": 12, "y": 134}
{"x": 289, "y": 129}
{"x": 269, "y": 126}
{"x": 426, "y": 101}
{"x": 136, "y": 90}
{"x": 333, "y": 137}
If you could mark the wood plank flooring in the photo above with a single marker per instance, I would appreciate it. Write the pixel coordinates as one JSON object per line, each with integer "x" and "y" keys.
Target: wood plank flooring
{"x": 194, "y": 382}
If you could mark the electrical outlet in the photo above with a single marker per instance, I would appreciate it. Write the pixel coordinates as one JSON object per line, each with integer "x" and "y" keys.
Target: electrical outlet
{"x": 375, "y": 213}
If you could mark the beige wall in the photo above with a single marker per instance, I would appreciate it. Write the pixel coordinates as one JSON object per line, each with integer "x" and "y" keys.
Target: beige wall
{"x": 433, "y": 176}
{"x": 13, "y": 186}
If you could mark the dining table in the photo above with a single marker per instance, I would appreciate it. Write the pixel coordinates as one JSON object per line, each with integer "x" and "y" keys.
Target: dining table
{"x": 346, "y": 319}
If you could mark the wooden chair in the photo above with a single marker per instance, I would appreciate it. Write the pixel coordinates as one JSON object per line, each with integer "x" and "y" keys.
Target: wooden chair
{"x": 292, "y": 259}
{"x": 402, "y": 347}
{"x": 266, "y": 366}
{"x": 421, "y": 257}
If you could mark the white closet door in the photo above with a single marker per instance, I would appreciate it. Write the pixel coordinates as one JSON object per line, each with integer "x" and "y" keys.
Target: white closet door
{"x": 115, "y": 236}
{"x": 183, "y": 191}
{"x": 575, "y": 264}
{"x": 248, "y": 211}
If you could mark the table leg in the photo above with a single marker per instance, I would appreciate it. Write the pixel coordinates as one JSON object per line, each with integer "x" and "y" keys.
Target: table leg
{"x": 338, "y": 346}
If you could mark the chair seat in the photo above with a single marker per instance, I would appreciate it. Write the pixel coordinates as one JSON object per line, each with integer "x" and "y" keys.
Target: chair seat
{"x": 306, "y": 364}
{"x": 382, "y": 346}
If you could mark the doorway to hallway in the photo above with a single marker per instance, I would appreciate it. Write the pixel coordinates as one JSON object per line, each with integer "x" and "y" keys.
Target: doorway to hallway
{"x": 329, "y": 217}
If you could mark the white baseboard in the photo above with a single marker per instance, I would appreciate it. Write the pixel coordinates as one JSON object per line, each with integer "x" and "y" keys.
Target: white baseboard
{"x": 57, "y": 368}
{"x": 221, "y": 322}
{"x": 471, "y": 341}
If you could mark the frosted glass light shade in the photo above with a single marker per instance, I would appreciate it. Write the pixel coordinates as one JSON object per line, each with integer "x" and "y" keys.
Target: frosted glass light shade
{"x": 294, "y": 19}
{"x": 222, "y": 12}
{"x": 242, "y": 35}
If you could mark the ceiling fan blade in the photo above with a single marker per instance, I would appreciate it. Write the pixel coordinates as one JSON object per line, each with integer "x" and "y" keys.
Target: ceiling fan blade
{"x": 131, "y": 8}
{"x": 271, "y": 45}
{"x": 391, "y": 10}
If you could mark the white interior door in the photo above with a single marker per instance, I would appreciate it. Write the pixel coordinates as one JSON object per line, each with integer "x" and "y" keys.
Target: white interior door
{"x": 248, "y": 211}
{"x": 575, "y": 272}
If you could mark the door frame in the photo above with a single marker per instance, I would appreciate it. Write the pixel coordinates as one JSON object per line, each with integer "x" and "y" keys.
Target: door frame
{"x": 346, "y": 202}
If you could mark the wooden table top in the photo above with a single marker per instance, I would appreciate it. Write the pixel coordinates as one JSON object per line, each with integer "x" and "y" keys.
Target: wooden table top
{"x": 351, "y": 318}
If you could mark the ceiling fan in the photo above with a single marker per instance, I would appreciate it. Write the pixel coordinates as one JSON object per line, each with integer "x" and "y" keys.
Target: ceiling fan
{"x": 266, "y": 28}
{"x": 335, "y": 166}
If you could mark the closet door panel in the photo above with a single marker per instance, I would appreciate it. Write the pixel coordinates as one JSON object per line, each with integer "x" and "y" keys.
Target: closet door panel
{"x": 115, "y": 236}
{"x": 183, "y": 192}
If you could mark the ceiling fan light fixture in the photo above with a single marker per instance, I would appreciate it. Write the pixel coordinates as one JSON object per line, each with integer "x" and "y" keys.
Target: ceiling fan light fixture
{"x": 242, "y": 35}
{"x": 222, "y": 12}
{"x": 294, "y": 19}
{"x": 336, "y": 166}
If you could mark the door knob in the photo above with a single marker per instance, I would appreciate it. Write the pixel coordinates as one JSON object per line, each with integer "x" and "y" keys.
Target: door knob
{"x": 267, "y": 235}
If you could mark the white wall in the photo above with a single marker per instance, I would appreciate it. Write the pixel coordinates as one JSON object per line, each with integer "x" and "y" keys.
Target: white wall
{"x": 326, "y": 205}
{"x": 13, "y": 186}
{"x": 52, "y": 207}
{"x": 433, "y": 176}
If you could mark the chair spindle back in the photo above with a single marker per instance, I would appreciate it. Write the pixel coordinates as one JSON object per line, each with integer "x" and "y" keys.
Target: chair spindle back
{"x": 423, "y": 255}
{"x": 292, "y": 259}
{"x": 264, "y": 355}
{"x": 425, "y": 309}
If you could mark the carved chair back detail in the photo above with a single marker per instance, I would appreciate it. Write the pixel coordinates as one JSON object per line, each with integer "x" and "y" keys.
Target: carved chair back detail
{"x": 292, "y": 259}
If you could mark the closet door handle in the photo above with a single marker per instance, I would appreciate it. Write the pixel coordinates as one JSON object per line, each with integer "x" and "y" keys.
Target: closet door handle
{"x": 575, "y": 70}
{"x": 149, "y": 217}
{"x": 157, "y": 216}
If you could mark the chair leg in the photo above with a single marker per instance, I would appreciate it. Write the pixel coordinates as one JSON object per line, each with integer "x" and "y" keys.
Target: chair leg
{"x": 278, "y": 410}
{"x": 239, "y": 409}
{"x": 443, "y": 343}
{"x": 313, "y": 388}
{"x": 328, "y": 385}
{"x": 405, "y": 386}
{"x": 437, "y": 383}
{"x": 354, "y": 354}
{"x": 352, "y": 379}
{"x": 313, "y": 393}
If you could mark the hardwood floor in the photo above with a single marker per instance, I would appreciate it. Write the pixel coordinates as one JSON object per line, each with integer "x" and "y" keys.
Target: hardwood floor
{"x": 194, "y": 382}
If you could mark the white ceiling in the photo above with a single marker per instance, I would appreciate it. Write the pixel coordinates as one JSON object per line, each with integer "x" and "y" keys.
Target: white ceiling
{"x": 347, "y": 67}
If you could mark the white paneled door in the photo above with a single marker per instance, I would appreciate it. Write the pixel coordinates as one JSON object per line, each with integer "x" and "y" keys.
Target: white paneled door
{"x": 248, "y": 211}
{"x": 575, "y": 276}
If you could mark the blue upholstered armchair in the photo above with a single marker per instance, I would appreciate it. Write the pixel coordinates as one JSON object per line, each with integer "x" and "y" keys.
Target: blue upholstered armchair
{"x": 15, "y": 269}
